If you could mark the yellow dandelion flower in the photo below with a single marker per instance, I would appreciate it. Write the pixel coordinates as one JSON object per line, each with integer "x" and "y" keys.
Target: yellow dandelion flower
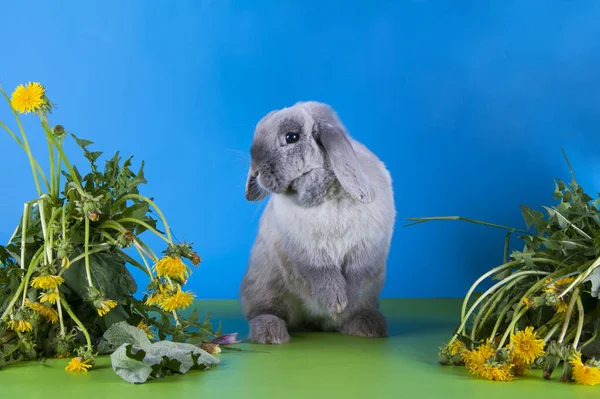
{"x": 179, "y": 300}
{"x": 558, "y": 285}
{"x": 456, "y": 347}
{"x": 49, "y": 314}
{"x": 145, "y": 328}
{"x": 583, "y": 373}
{"x": 528, "y": 302}
{"x": 20, "y": 325}
{"x": 519, "y": 365}
{"x": 78, "y": 365}
{"x": 47, "y": 282}
{"x": 527, "y": 345}
{"x": 550, "y": 287}
{"x": 28, "y": 98}
{"x": 561, "y": 307}
{"x": 565, "y": 281}
{"x": 46, "y": 312}
{"x": 50, "y": 297}
{"x": 156, "y": 297}
{"x": 105, "y": 306}
{"x": 172, "y": 267}
{"x": 497, "y": 372}
{"x": 476, "y": 359}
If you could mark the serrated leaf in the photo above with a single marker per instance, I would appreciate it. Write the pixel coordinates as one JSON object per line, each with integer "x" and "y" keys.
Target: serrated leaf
{"x": 533, "y": 218}
{"x": 137, "y": 210}
{"x": 82, "y": 142}
{"x": 93, "y": 156}
{"x": 194, "y": 318}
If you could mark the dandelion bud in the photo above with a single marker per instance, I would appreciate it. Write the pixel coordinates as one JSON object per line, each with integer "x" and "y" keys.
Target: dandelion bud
{"x": 27, "y": 348}
{"x": 211, "y": 348}
{"x": 129, "y": 236}
{"x": 93, "y": 216}
{"x": 444, "y": 358}
{"x": 195, "y": 258}
{"x": 539, "y": 301}
{"x": 58, "y": 130}
{"x": 551, "y": 298}
{"x": 62, "y": 349}
{"x": 567, "y": 373}
{"x": 457, "y": 360}
{"x": 550, "y": 364}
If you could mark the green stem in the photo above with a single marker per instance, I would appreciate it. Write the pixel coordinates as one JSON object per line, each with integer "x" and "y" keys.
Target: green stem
{"x": 147, "y": 250}
{"x": 61, "y": 153}
{"x": 37, "y": 165}
{"x": 456, "y": 218}
{"x": 568, "y": 315}
{"x": 579, "y": 324}
{"x": 14, "y": 234}
{"x": 24, "y": 233}
{"x": 495, "y": 270}
{"x": 32, "y": 265}
{"x": 511, "y": 327}
{"x": 113, "y": 225}
{"x": 58, "y": 175}
{"x": 102, "y": 247}
{"x": 541, "y": 283}
{"x": 26, "y": 146}
{"x": 501, "y": 317}
{"x": 151, "y": 203}
{"x": 47, "y": 248}
{"x": 490, "y": 305}
{"x": 50, "y": 233}
{"x": 146, "y": 225}
{"x": 488, "y": 292}
{"x": 87, "y": 251}
{"x": 79, "y": 323}
{"x": 64, "y": 223}
{"x": 478, "y": 281}
{"x": 60, "y": 314}
{"x": 137, "y": 246}
{"x": 551, "y": 333}
{"x": 52, "y": 176}
{"x": 581, "y": 277}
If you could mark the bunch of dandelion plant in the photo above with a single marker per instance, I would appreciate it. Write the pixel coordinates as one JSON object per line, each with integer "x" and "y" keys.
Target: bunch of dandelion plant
{"x": 64, "y": 278}
{"x": 541, "y": 309}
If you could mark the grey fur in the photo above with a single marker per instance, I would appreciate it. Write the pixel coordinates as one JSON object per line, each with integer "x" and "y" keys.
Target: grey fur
{"x": 319, "y": 259}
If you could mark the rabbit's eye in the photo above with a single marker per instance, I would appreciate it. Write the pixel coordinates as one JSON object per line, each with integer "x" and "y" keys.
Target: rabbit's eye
{"x": 291, "y": 137}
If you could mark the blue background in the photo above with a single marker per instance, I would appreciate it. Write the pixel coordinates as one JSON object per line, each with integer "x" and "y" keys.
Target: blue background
{"x": 467, "y": 102}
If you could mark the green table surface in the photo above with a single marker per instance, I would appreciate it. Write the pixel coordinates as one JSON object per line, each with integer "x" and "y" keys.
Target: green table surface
{"x": 312, "y": 365}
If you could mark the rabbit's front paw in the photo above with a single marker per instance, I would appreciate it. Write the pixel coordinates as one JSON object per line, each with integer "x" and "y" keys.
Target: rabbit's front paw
{"x": 268, "y": 329}
{"x": 366, "y": 323}
{"x": 332, "y": 296}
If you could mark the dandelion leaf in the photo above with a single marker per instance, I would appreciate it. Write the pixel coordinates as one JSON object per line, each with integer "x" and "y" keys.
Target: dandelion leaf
{"x": 594, "y": 278}
{"x": 158, "y": 360}
{"x": 123, "y": 333}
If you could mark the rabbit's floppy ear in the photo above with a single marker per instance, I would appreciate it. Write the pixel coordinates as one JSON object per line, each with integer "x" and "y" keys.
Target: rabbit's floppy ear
{"x": 342, "y": 158}
{"x": 254, "y": 192}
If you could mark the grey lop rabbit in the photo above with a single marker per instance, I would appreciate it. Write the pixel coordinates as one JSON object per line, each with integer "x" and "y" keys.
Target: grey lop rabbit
{"x": 319, "y": 259}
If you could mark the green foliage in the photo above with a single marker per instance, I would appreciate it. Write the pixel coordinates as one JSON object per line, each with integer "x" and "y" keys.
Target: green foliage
{"x": 552, "y": 284}
{"x": 65, "y": 284}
